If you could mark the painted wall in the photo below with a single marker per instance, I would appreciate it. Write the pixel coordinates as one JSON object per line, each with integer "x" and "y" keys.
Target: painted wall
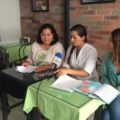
{"x": 10, "y": 29}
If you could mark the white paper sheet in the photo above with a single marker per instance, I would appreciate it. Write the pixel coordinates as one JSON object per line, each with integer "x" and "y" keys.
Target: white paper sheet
{"x": 107, "y": 93}
{"x": 65, "y": 83}
{"x": 23, "y": 69}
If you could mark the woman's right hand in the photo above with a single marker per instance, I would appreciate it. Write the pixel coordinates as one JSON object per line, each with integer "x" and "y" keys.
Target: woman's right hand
{"x": 26, "y": 63}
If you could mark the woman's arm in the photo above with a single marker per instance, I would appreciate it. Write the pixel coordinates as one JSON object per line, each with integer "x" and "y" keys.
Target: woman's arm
{"x": 103, "y": 74}
{"x": 29, "y": 61}
{"x": 78, "y": 73}
{"x": 104, "y": 77}
{"x": 43, "y": 68}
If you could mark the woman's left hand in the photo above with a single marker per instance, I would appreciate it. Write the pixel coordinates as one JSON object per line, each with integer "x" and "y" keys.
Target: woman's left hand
{"x": 39, "y": 69}
{"x": 62, "y": 71}
{"x": 43, "y": 68}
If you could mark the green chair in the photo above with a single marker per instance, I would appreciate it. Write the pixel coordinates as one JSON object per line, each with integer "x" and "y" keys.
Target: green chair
{"x": 22, "y": 55}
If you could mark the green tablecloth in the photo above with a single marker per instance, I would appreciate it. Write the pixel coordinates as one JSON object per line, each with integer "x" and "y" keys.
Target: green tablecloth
{"x": 13, "y": 50}
{"x": 59, "y": 105}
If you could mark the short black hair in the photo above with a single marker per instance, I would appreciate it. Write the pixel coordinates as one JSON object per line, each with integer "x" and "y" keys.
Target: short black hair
{"x": 52, "y": 29}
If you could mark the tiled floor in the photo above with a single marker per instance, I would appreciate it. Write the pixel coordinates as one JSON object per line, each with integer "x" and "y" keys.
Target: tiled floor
{"x": 18, "y": 114}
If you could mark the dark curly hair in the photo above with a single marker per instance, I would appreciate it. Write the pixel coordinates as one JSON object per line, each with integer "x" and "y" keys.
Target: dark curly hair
{"x": 52, "y": 29}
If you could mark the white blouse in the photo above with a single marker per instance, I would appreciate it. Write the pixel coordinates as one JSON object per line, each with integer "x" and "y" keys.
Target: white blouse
{"x": 37, "y": 54}
{"x": 86, "y": 60}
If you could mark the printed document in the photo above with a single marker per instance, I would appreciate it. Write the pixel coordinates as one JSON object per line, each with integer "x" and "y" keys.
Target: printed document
{"x": 65, "y": 83}
{"x": 23, "y": 69}
{"x": 107, "y": 93}
{"x": 93, "y": 89}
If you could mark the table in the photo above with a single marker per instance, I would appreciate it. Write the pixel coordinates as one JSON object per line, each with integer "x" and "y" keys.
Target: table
{"x": 57, "y": 104}
{"x": 13, "y": 50}
{"x": 15, "y": 84}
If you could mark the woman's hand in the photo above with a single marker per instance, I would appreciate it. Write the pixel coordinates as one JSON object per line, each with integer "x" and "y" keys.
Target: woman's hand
{"x": 43, "y": 68}
{"x": 62, "y": 71}
{"x": 77, "y": 73}
{"x": 26, "y": 63}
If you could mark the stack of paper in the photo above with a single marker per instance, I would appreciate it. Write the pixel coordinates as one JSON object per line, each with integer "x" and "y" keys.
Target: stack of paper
{"x": 23, "y": 69}
{"x": 93, "y": 89}
{"x": 65, "y": 83}
{"x": 105, "y": 92}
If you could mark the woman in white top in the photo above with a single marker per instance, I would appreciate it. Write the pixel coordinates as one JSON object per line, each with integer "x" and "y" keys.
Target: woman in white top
{"x": 81, "y": 57}
{"x": 45, "y": 48}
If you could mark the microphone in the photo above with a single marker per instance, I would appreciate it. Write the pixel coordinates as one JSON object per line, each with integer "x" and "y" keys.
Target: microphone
{"x": 57, "y": 61}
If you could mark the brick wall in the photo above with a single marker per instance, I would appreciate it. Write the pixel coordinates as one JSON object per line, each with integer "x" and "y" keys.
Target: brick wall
{"x": 100, "y": 20}
{"x": 31, "y": 21}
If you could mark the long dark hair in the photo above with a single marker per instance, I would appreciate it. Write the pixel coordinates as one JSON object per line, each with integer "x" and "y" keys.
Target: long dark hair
{"x": 81, "y": 30}
{"x": 115, "y": 34}
{"x": 52, "y": 29}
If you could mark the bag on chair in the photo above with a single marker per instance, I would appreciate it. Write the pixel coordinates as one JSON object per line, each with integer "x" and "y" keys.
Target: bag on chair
{"x": 4, "y": 59}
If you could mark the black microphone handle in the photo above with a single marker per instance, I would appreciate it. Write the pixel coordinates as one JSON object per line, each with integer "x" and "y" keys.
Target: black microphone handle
{"x": 54, "y": 66}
